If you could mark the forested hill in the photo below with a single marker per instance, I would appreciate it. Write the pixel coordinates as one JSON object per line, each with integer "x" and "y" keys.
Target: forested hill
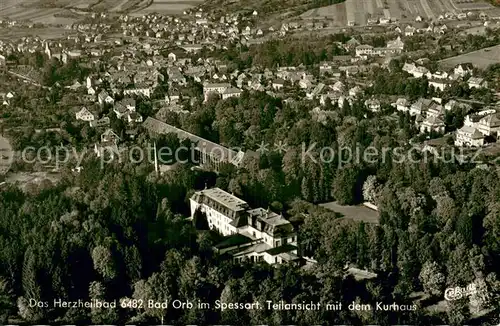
{"x": 268, "y": 7}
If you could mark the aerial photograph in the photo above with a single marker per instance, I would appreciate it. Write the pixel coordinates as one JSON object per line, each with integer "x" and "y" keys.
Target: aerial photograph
{"x": 250, "y": 162}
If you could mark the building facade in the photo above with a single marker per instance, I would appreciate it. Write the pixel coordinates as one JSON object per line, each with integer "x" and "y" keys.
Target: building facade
{"x": 251, "y": 234}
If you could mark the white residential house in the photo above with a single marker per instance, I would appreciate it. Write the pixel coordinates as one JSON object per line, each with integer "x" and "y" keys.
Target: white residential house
{"x": 364, "y": 50}
{"x": 109, "y": 136}
{"x": 463, "y": 69}
{"x": 435, "y": 109}
{"x": 432, "y": 123}
{"x": 217, "y": 88}
{"x": 385, "y": 20}
{"x": 257, "y": 235}
{"x": 437, "y": 75}
{"x": 133, "y": 117}
{"x": 332, "y": 97}
{"x": 373, "y": 104}
{"x": 420, "y": 106}
{"x": 85, "y": 115}
{"x": 469, "y": 136}
{"x": 140, "y": 90}
{"x": 409, "y": 30}
{"x": 129, "y": 103}
{"x": 278, "y": 84}
{"x": 402, "y": 105}
{"x": 475, "y": 82}
{"x": 104, "y": 97}
{"x": 489, "y": 125}
{"x": 440, "y": 84}
{"x": 338, "y": 87}
{"x": 396, "y": 44}
{"x": 355, "y": 91}
{"x": 305, "y": 84}
{"x": 120, "y": 110}
{"x": 172, "y": 57}
{"x": 325, "y": 67}
{"x": 316, "y": 91}
{"x": 416, "y": 71}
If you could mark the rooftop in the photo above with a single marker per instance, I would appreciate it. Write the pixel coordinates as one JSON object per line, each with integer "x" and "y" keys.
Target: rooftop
{"x": 270, "y": 218}
{"x": 233, "y": 240}
{"x": 224, "y": 198}
{"x": 281, "y": 249}
{"x": 206, "y": 146}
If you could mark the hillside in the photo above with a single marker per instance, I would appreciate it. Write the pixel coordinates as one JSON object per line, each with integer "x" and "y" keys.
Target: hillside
{"x": 269, "y": 7}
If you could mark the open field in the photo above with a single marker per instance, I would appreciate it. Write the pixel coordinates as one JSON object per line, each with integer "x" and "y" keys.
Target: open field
{"x": 356, "y": 213}
{"x": 63, "y": 11}
{"x": 167, "y": 7}
{"x": 35, "y": 11}
{"x": 480, "y": 59}
{"x": 359, "y": 11}
{"x": 45, "y": 33}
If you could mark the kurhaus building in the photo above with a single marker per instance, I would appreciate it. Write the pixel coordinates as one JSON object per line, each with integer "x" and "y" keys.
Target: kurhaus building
{"x": 251, "y": 234}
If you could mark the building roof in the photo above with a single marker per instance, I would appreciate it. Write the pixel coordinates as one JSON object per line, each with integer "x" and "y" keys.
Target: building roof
{"x": 237, "y": 239}
{"x": 128, "y": 101}
{"x": 402, "y": 101}
{"x": 270, "y": 218}
{"x": 120, "y": 108}
{"x": 473, "y": 132}
{"x": 84, "y": 110}
{"x": 206, "y": 146}
{"x": 269, "y": 222}
{"x": 364, "y": 46}
{"x": 475, "y": 80}
{"x": 232, "y": 90}
{"x": 256, "y": 248}
{"x": 224, "y": 198}
{"x": 433, "y": 120}
{"x": 491, "y": 120}
{"x": 216, "y": 85}
{"x": 466, "y": 65}
{"x": 281, "y": 249}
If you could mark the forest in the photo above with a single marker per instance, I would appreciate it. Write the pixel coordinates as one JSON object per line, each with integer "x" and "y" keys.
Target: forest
{"x": 121, "y": 231}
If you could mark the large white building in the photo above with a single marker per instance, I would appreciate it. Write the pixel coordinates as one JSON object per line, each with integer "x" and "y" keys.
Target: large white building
{"x": 218, "y": 88}
{"x": 251, "y": 234}
{"x": 469, "y": 136}
{"x": 85, "y": 115}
